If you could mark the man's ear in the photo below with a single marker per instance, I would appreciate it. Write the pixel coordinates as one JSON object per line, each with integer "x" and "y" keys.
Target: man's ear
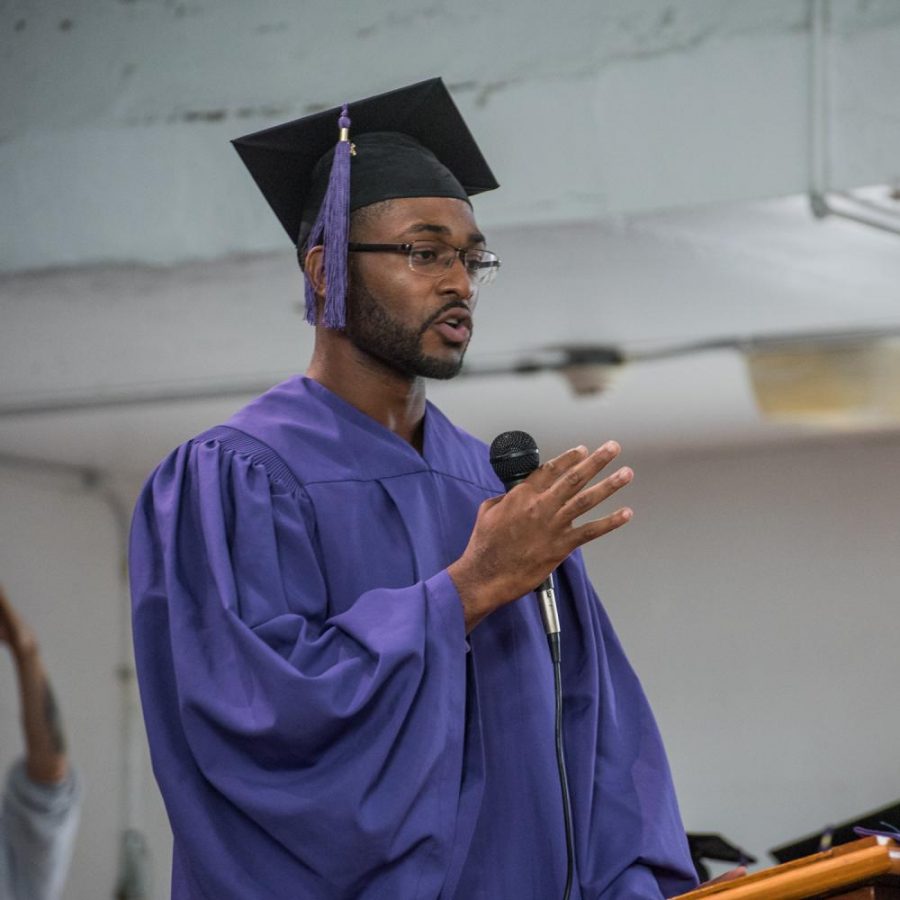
{"x": 314, "y": 269}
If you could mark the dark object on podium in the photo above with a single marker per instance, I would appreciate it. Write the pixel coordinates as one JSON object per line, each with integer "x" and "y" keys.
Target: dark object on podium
{"x": 837, "y": 834}
{"x": 713, "y": 847}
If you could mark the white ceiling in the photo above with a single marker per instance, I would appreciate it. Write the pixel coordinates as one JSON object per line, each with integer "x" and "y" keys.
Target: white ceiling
{"x": 639, "y": 144}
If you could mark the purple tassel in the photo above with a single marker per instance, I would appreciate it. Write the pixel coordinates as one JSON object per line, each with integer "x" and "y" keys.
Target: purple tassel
{"x": 332, "y": 229}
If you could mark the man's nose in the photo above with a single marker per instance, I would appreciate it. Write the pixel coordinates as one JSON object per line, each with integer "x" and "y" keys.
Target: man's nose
{"x": 458, "y": 279}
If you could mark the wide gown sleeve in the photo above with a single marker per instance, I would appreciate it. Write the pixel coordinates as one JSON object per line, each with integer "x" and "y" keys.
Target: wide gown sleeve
{"x": 299, "y": 754}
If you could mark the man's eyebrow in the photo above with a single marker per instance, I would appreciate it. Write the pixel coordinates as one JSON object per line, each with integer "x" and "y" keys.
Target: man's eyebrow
{"x": 476, "y": 237}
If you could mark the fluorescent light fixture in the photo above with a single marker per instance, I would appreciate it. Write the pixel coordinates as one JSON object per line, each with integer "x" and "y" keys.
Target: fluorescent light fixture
{"x": 838, "y": 385}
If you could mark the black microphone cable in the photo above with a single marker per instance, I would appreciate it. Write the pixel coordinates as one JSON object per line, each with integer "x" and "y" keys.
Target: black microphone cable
{"x": 514, "y": 456}
{"x": 553, "y": 641}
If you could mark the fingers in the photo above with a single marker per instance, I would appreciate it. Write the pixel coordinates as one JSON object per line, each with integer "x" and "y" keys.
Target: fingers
{"x": 544, "y": 476}
{"x": 573, "y": 479}
{"x": 565, "y": 493}
{"x": 584, "y": 501}
{"x": 584, "y": 534}
{"x": 571, "y": 470}
{"x": 730, "y": 875}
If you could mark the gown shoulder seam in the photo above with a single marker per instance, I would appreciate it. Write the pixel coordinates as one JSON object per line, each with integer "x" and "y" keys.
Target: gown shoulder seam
{"x": 256, "y": 451}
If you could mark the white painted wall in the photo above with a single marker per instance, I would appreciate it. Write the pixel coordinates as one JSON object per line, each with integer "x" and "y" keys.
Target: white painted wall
{"x": 59, "y": 565}
{"x": 755, "y": 593}
{"x": 757, "y": 596}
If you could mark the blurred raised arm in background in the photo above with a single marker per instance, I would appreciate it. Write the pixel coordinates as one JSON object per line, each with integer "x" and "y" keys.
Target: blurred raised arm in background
{"x": 42, "y": 794}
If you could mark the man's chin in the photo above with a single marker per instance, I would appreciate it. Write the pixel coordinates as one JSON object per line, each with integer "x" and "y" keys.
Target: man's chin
{"x": 444, "y": 376}
{"x": 441, "y": 369}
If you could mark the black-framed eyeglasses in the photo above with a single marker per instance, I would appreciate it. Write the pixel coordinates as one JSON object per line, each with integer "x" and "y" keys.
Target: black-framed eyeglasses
{"x": 433, "y": 258}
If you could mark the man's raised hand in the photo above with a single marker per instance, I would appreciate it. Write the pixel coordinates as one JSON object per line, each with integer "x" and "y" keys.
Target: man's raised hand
{"x": 521, "y": 537}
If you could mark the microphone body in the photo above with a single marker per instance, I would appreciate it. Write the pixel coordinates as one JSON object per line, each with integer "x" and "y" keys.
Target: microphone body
{"x": 514, "y": 456}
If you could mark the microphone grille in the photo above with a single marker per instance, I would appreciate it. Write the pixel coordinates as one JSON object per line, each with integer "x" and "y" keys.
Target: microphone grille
{"x": 514, "y": 456}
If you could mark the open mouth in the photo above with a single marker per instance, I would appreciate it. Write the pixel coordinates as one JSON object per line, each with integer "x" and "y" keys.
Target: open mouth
{"x": 455, "y": 327}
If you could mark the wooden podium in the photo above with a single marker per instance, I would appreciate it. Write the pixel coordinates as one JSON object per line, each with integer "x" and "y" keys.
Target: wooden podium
{"x": 868, "y": 869}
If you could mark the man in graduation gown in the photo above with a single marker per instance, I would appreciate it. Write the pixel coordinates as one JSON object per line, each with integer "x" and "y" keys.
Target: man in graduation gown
{"x": 343, "y": 670}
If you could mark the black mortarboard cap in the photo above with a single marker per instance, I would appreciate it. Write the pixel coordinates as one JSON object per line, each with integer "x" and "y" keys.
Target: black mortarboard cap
{"x": 290, "y": 162}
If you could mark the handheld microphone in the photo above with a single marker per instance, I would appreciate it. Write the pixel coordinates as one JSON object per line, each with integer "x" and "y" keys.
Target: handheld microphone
{"x": 514, "y": 456}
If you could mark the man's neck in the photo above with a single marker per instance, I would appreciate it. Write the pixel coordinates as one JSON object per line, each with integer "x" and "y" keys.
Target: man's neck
{"x": 395, "y": 401}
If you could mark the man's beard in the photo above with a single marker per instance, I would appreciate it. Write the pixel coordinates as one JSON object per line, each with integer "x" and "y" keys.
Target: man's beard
{"x": 372, "y": 329}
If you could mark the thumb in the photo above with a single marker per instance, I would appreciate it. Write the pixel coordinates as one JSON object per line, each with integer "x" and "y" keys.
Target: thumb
{"x": 490, "y": 503}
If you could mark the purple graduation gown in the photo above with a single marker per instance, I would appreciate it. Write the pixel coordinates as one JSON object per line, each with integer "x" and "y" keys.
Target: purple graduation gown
{"x": 319, "y": 724}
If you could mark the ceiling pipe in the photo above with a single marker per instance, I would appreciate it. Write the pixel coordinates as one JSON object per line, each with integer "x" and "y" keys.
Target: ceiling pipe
{"x": 139, "y": 395}
{"x": 822, "y": 200}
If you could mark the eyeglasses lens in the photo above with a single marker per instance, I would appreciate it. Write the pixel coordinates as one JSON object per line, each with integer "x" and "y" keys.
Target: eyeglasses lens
{"x": 433, "y": 258}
